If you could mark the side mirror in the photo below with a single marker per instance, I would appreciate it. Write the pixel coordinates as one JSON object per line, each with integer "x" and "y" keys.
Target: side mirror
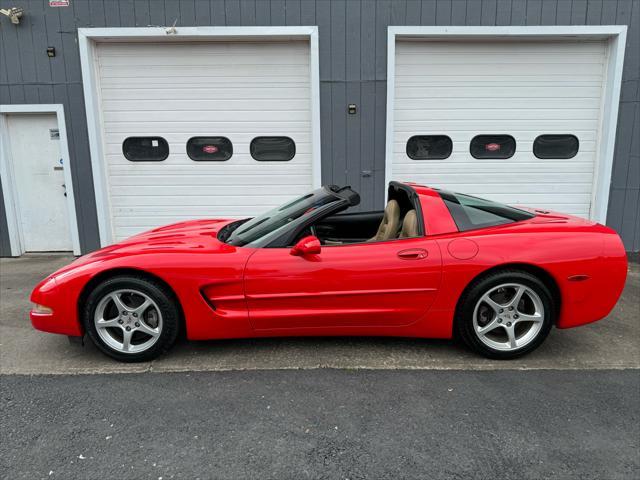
{"x": 306, "y": 246}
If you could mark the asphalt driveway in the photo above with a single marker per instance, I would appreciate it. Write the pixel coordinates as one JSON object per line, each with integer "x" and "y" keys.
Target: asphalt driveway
{"x": 610, "y": 343}
{"x": 318, "y": 408}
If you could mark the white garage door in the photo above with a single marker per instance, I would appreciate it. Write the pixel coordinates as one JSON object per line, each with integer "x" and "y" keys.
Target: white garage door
{"x": 154, "y": 93}
{"x": 518, "y": 89}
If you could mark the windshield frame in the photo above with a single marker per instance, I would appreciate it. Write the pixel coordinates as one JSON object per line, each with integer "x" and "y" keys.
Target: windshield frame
{"x": 281, "y": 235}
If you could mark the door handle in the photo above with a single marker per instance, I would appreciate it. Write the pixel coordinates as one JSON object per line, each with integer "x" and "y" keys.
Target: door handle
{"x": 413, "y": 254}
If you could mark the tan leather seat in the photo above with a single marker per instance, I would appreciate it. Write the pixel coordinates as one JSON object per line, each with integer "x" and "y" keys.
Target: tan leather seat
{"x": 409, "y": 225}
{"x": 390, "y": 223}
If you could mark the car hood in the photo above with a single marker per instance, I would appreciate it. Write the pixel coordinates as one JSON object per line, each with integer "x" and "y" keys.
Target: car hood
{"x": 190, "y": 236}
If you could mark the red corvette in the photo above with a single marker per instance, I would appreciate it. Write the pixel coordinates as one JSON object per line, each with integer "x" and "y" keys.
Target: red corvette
{"x": 433, "y": 264}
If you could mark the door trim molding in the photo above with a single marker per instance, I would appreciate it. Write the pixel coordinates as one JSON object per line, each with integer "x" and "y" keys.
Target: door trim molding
{"x": 16, "y": 238}
{"x": 616, "y": 40}
{"x": 87, "y": 39}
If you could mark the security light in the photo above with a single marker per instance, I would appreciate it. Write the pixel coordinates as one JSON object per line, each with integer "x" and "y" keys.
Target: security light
{"x": 13, "y": 13}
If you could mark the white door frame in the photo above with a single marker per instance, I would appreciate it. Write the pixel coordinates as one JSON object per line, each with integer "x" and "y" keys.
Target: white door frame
{"x": 616, "y": 36}
{"x": 16, "y": 237}
{"x": 88, "y": 37}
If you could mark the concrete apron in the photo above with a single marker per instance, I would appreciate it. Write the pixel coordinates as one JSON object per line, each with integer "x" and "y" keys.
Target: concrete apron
{"x": 611, "y": 343}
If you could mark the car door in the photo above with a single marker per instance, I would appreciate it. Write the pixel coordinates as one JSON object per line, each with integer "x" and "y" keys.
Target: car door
{"x": 365, "y": 285}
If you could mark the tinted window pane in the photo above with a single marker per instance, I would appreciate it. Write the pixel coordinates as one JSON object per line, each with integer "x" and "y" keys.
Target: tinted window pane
{"x": 212, "y": 149}
{"x": 493, "y": 146}
{"x": 429, "y": 147}
{"x": 145, "y": 149}
{"x": 470, "y": 213}
{"x": 272, "y": 149}
{"x": 555, "y": 146}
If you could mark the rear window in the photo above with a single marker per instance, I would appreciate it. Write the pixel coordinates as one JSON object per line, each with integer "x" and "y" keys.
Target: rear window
{"x": 470, "y": 213}
{"x": 145, "y": 149}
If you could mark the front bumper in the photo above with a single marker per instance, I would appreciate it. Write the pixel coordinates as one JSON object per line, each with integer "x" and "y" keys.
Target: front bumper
{"x": 64, "y": 317}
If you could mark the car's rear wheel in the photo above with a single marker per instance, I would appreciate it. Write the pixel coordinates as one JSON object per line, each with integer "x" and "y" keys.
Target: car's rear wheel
{"x": 505, "y": 315}
{"x": 131, "y": 318}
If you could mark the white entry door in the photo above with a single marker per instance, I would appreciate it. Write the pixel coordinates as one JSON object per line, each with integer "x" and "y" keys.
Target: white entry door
{"x": 39, "y": 182}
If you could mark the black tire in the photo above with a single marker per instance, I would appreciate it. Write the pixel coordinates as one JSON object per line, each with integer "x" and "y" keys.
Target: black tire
{"x": 464, "y": 325}
{"x": 156, "y": 291}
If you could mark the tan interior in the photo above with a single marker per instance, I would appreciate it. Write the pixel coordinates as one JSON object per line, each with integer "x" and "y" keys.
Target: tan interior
{"x": 409, "y": 225}
{"x": 390, "y": 223}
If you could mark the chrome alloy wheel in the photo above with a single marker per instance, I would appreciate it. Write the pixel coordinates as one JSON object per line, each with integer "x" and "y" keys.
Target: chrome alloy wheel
{"x": 128, "y": 321}
{"x": 508, "y": 317}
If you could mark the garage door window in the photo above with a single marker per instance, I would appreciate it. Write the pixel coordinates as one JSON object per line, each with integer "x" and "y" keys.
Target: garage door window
{"x": 429, "y": 147}
{"x": 493, "y": 146}
{"x": 145, "y": 149}
{"x": 556, "y": 146}
{"x": 209, "y": 149}
{"x": 272, "y": 149}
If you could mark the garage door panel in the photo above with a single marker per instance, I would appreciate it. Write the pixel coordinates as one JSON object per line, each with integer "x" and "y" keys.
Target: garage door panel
{"x": 203, "y": 81}
{"x": 207, "y": 49}
{"x": 463, "y": 137}
{"x": 504, "y": 114}
{"x": 511, "y": 184}
{"x": 493, "y": 126}
{"x": 121, "y": 95}
{"x": 537, "y": 57}
{"x": 219, "y": 104}
{"x": 475, "y": 92}
{"x": 201, "y": 116}
{"x": 524, "y": 147}
{"x": 521, "y": 158}
{"x": 177, "y": 147}
{"x": 203, "y": 168}
{"x": 194, "y": 200}
{"x": 497, "y": 103}
{"x": 212, "y": 179}
{"x": 524, "y": 89}
{"x": 196, "y": 61}
{"x": 123, "y": 214}
{"x": 206, "y": 190}
{"x": 271, "y": 128}
{"x": 488, "y": 68}
{"x": 499, "y": 47}
{"x": 239, "y": 90}
{"x": 267, "y": 71}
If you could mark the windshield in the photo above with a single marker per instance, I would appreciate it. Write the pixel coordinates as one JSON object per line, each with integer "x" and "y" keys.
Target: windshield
{"x": 263, "y": 228}
{"x": 470, "y": 212}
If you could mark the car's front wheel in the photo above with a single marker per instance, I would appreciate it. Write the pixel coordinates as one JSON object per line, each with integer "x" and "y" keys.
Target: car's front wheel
{"x": 131, "y": 318}
{"x": 505, "y": 315}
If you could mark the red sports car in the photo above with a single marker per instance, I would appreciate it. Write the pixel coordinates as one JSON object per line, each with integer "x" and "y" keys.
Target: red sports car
{"x": 433, "y": 264}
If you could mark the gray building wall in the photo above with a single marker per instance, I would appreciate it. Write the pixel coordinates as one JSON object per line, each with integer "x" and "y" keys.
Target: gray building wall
{"x": 353, "y": 69}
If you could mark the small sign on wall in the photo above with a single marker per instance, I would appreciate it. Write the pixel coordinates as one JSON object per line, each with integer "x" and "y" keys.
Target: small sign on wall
{"x": 54, "y": 133}
{"x": 58, "y": 3}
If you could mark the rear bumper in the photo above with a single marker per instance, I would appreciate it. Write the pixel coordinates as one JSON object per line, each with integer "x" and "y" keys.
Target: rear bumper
{"x": 587, "y": 300}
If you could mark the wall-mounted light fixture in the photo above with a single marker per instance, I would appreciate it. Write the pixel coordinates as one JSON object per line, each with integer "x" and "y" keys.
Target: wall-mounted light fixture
{"x": 13, "y": 13}
{"x": 51, "y": 52}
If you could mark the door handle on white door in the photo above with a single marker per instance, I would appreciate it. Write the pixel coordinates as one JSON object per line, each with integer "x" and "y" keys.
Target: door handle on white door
{"x": 413, "y": 254}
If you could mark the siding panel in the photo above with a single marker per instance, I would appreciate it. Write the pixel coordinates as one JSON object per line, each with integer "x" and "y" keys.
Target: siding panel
{"x": 352, "y": 52}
